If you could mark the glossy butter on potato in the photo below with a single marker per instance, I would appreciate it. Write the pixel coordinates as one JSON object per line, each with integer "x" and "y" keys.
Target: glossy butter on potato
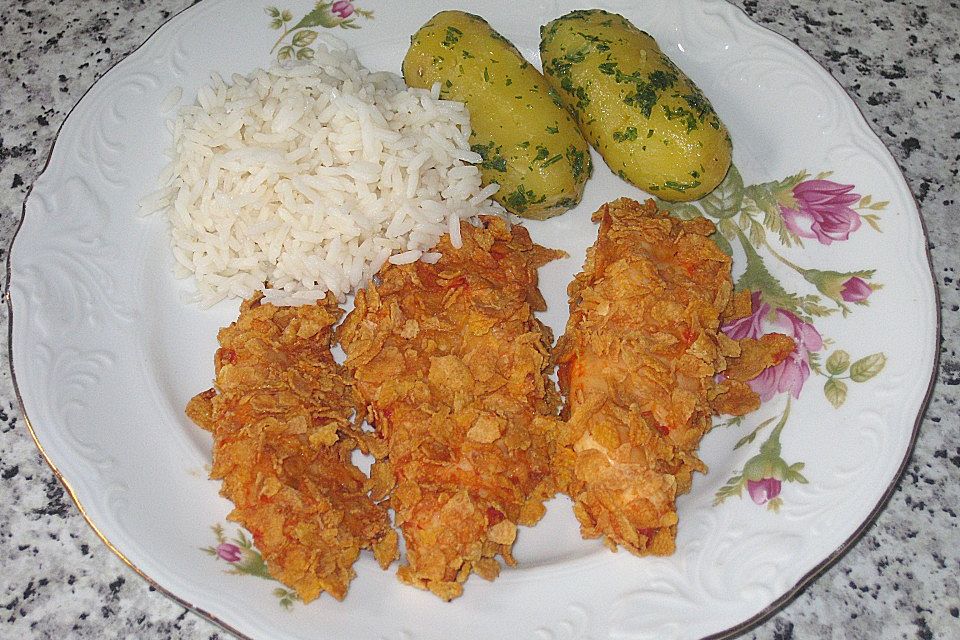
{"x": 650, "y": 122}
{"x": 529, "y": 143}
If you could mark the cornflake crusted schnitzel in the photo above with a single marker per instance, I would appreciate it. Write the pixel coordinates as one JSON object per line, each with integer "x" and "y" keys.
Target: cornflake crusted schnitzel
{"x": 638, "y": 365}
{"x": 453, "y": 365}
{"x": 280, "y": 416}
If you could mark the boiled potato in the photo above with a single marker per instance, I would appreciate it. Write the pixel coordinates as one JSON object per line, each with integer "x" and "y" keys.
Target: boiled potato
{"x": 529, "y": 143}
{"x": 649, "y": 121}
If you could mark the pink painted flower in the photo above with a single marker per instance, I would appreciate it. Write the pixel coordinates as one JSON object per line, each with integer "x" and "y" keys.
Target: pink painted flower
{"x": 822, "y": 211}
{"x": 229, "y": 552}
{"x": 790, "y": 375}
{"x": 763, "y": 490}
{"x": 750, "y": 326}
{"x": 855, "y": 290}
{"x": 342, "y": 8}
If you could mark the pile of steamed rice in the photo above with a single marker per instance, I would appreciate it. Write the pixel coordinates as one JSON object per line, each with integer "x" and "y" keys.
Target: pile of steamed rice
{"x": 307, "y": 178}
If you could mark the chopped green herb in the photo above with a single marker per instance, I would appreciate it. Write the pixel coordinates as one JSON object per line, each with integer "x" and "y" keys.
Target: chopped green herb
{"x": 542, "y": 153}
{"x": 491, "y": 157}
{"x": 643, "y": 98}
{"x": 661, "y": 80}
{"x": 452, "y": 37}
{"x": 578, "y": 163}
{"x": 498, "y": 163}
{"x": 482, "y": 150}
{"x": 555, "y": 97}
{"x": 550, "y": 161}
{"x": 608, "y": 68}
{"x": 553, "y": 130}
{"x": 467, "y": 54}
{"x": 486, "y": 75}
{"x": 559, "y": 68}
{"x": 681, "y": 113}
{"x": 577, "y": 56}
{"x": 583, "y": 99}
{"x": 517, "y": 201}
{"x": 630, "y": 133}
{"x": 681, "y": 186}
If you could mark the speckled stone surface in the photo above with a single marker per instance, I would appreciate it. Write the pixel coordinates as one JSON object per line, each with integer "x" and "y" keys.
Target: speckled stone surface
{"x": 899, "y": 61}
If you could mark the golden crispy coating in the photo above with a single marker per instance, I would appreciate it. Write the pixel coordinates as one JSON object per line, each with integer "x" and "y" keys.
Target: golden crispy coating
{"x": 282, "y": 440}
{"x": 453, "y": 367}
{"x": 637, "y": 365}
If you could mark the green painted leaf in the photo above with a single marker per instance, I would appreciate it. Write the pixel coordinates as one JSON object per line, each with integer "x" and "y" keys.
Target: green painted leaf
{"x": 735, "y": 421}
{"x": 734, "y": 487}
{"x": 285, "y": 53}
{"x": 680, "y": 210}
{"x": 286, "y": 16}
{"x": 750, "y": 437}
{"x": 319, "y": 17}
{"x": 836, "y": 392}
{"x": 872, "y": 220}
{"x": 866, "y": 368}
{"x": 810, "y": 304}
{"x": 725, "y": 201}
{"x": 838, "y": 362}
{"x": 763, "y": 196}
{"x": 756, "y": 277}
{"x": 304, "y": 38}
{"x": 793, "y": 473}
{"x": 305, "y": 54}
{"x": 790, "y": 182}
{"x": 757, "y": 233}
{"x": 747, "y": 439}
{"x": 814, "y": 359}
{"x": 253, "y": 565}
{"x": 276, "y": 23}
{"x": 273, "y": 12}
{"x": 685, "y": 211}
{"x": 722, "y": 243}
{"x": 728, "y": 228}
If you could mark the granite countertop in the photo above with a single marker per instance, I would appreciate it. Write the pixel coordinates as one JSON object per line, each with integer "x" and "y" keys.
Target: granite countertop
{"x": 899, "y": 61}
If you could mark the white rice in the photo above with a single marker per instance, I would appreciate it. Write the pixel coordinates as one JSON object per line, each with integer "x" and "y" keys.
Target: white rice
{"x": 307, "y": 178}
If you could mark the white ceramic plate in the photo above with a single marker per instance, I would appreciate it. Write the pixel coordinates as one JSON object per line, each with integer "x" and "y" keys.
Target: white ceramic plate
{"x": 105, "y": 354}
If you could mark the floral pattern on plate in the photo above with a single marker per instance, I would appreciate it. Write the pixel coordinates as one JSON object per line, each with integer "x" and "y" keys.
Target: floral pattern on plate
{"x": 791, "y": 210}
{"x": 244, "y": 559}
{"x": 328, "y": 15}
